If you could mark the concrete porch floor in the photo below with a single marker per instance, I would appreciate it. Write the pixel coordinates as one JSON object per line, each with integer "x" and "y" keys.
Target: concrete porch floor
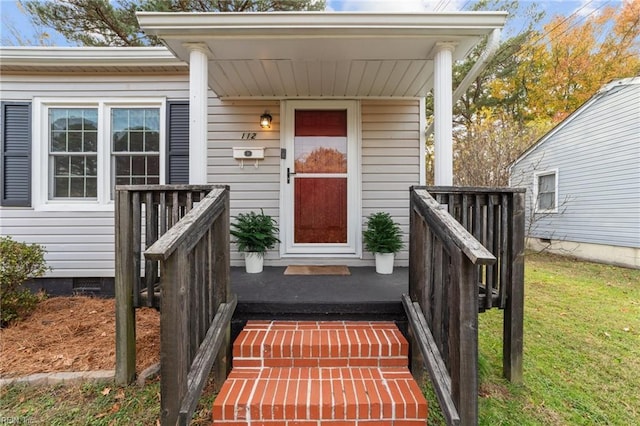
{"x": 363, "y": 295}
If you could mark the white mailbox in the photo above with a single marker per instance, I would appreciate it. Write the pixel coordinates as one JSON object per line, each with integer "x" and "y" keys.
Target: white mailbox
{"x": 248, "y": 153}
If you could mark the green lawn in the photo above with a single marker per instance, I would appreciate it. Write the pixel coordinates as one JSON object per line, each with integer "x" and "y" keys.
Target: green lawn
{"x": 581, "y": 348}
{"x": 581, "y": 361}
{"x": 91, "y": 404}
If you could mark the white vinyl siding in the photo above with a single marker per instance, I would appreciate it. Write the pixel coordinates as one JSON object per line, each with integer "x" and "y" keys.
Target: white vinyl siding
{"x": 81, "y": 243}
{"x": 78, "y": 243}
{"x": 390, "y": 161}
{"x": 251, "y": 188}
{"x": 597, "y": 151}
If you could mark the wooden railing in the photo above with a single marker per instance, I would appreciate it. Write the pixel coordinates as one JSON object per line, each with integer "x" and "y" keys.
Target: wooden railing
{"x": 143, "y": 213}
{"x": 466, "y": 255}
{"x": 196, "y": 305}
{"x": 183, "y": 232}
{"x": 495, "y": 217}
{"x": 442, "y": 306}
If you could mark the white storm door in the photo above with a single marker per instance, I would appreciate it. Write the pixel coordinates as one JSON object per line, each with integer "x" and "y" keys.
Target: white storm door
{"x": 321, "y": 202}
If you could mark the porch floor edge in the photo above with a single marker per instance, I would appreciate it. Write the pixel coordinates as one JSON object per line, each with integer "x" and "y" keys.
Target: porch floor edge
{"x": 363, "y": 286}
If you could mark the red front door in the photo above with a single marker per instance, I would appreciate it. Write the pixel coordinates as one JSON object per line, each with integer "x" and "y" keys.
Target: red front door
{"x": 320, "y": 179}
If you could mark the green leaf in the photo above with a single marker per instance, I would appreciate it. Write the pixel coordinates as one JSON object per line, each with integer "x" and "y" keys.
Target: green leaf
{"x": 254, "y": 232}
{"x": 382, "y": 235}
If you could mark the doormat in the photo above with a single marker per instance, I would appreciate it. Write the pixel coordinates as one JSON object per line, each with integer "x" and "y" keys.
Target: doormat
{"x": 317, "y": 270}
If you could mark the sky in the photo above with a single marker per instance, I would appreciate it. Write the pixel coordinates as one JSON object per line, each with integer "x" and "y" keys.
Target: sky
{"x": 11, "y": 15}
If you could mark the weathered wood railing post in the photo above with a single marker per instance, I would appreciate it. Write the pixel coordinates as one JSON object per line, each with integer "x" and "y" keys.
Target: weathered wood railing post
{"x": 221, "y": 283}
{"x": 197, "y": 304}
{"x": 513, "y": 327}
{"x": 142, "y": 214}
{"x": 464, "y": 327}
{"x": 174, "y": 358}
{"x": 124, "y": 278}
{"x": 418, "y": 267}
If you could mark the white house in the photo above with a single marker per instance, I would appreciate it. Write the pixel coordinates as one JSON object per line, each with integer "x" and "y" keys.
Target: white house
{"x": 583, "y": 180}
{"x": 77, "y": 121}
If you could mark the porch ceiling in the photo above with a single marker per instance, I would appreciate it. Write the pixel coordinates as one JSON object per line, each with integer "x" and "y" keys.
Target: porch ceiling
{"x": 308, "y": 55}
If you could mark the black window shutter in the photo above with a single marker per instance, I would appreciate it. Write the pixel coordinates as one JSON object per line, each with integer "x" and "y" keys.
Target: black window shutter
{"x": 177, "y": 142}
{"x": 15, "y": 154}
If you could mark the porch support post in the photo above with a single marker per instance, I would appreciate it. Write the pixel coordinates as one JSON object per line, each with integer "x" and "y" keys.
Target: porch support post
{"x": 198, "y": 88}
{"x": 443, "y": 113}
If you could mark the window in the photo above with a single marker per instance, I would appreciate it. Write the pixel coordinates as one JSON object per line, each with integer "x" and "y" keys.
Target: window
{"x": 73, "y": 153}
{"x": 93, "y": 146}
{"x": 135, "y": 135}
{"x": 546, "y": 191}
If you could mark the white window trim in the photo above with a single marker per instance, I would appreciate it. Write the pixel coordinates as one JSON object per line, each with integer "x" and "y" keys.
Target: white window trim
{"x": 353, "y": 247}
{"x": 536, "y": 176}
{"x": 40, "y": 149}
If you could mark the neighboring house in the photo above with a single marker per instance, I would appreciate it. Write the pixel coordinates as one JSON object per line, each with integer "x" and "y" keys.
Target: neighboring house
{"x": 583, "y": 180}
{"x": 344, "y": 94}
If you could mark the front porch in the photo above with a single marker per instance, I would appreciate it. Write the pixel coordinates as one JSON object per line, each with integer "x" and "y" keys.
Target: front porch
{"x": 363, "y": 295}
{"x": 466, "y": 256}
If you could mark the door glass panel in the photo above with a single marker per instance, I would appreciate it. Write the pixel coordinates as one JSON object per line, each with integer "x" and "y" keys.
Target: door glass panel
{"x": 320, "y": 147}
{"x": 321, "y": 154}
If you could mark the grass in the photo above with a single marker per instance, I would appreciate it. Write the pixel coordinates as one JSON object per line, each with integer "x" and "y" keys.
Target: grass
{"x": 86, "y": 404}
{"x": 581, "y": 362}
{"x": 91, "y": 404}
{"x": 581, "y": 349}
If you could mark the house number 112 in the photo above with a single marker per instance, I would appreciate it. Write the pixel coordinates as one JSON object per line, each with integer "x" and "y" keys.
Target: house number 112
{"x": 249, "y": 136}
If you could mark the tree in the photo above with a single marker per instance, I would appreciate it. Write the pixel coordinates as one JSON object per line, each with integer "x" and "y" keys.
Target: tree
{"x": 502, "y": 66}
{"x": 490, "y": 119}
{"x": 567, "y": 63}
{"x": 322, "y": 160}
{"x": 488, "y": 145}
{"x": 114, "y": 23}
{"x": 534, "y": 81}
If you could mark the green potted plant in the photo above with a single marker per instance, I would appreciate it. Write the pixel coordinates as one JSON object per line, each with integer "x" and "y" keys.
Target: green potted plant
{"x": 255, "y": 233}
{"x": 383, "y": 238}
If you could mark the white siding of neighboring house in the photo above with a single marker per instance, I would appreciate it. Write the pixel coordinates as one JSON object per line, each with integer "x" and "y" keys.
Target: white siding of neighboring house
{"x": 78, "y": 244}
{"x": 597, "y": 155}
{"x": 81, "y": 244}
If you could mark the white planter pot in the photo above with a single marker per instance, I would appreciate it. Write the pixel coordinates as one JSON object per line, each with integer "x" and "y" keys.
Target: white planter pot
{"x": 384, "y": 263}
{"x": 253, "y": 262}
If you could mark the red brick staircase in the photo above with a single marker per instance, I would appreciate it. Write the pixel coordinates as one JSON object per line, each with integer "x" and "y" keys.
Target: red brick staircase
{"x": 299, "y": 373}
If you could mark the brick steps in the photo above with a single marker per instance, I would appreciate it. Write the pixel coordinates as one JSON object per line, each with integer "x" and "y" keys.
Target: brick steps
{"x": 320, "y": 373}
{"x": 320, "y": 344}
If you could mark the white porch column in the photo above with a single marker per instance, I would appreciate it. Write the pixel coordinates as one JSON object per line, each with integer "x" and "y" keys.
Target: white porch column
{"x": 198, "y": 87}
{"x": 443, "y": 113}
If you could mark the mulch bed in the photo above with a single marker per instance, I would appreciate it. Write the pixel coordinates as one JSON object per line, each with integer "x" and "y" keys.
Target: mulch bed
{"x": 74, "y": 334}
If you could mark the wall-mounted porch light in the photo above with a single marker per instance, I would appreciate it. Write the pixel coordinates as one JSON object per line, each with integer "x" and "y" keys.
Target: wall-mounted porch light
{"x": 265, "y": 121}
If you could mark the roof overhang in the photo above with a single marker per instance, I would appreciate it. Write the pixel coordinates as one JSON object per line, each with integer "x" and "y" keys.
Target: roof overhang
{"x": 89, "y": 59}
{"x": 320, "y": 54}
